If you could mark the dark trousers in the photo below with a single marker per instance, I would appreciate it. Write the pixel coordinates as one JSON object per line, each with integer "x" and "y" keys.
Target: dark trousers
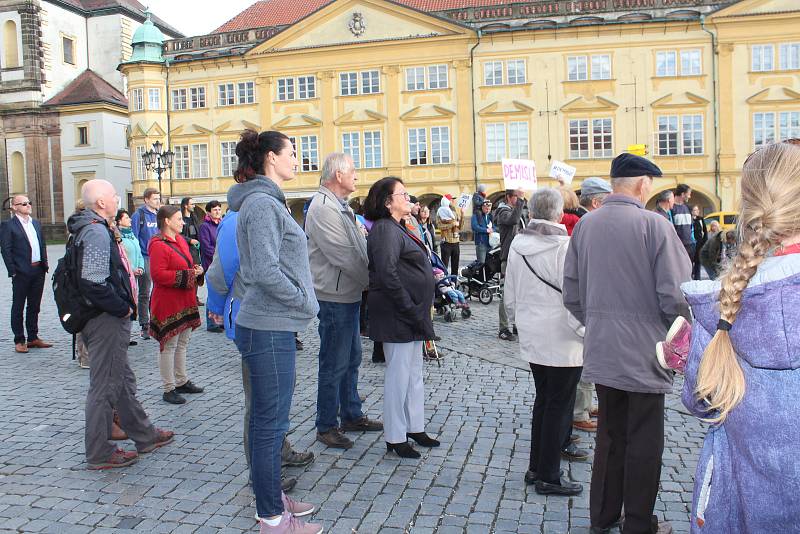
{"x": 451, "y": 253}
{"x": 26, "y": 288}
{"x": 696, "y": 265}
{"x": 627, "y": 459}
{"x": 112, "y": 385}
{"x": 552, "y": 417}
{"x": 339, "y": 360}
{"x": 145, "y": 285}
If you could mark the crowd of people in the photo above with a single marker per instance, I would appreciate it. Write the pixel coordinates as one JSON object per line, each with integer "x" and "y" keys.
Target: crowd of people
{"x": 592, "y": 283}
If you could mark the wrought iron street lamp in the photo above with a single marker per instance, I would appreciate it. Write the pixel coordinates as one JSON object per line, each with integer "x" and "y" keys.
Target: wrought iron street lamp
{"x": 156, "y": 160}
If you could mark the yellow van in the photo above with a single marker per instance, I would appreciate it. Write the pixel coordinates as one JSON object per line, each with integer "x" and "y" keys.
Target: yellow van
{"x": 726, "y": 219}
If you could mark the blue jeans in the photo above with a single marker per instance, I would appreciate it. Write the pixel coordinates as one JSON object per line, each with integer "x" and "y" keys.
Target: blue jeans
{"x": 269, "y": 357}
{"x": 339, "y": 360}
{"x": 480, "y": 252}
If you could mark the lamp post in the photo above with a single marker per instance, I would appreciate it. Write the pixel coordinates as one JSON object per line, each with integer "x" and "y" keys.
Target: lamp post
{"x": 156, "y": 160}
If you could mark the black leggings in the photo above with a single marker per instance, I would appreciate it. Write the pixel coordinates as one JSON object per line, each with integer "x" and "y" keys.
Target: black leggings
{"x": 451, "y": 252}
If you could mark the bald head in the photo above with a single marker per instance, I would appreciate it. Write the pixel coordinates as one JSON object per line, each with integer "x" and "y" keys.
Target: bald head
{"x": 100, "y": 196}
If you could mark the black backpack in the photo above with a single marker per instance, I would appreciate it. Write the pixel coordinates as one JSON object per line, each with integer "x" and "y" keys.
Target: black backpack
{"x": 74, "y": 310}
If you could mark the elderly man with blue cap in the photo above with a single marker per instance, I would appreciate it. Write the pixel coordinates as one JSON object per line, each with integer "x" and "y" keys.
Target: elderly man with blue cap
{"x": 622, "y": 278}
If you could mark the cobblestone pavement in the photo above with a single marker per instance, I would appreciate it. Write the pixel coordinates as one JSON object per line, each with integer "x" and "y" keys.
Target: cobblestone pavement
{"x": 478, "y": 402}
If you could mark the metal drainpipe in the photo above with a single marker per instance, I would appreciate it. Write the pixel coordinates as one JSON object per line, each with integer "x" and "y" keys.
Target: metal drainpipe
{"x": 714, "y": 105}
{"x": 472, "y": 87}
{"x": 167, "y": 98}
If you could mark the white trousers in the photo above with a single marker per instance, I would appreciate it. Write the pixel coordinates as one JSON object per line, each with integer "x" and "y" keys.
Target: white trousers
{"x": 403, "y": 391}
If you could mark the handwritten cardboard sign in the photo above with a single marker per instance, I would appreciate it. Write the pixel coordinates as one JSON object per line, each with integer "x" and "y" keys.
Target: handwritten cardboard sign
{"x": 519, "y": 174}
{"x": 561, "y": 171}
{"x": 463, "y": 200}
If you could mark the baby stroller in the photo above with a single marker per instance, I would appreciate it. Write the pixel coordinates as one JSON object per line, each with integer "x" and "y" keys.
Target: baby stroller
{"x": 482, "y": 280}
{"x": 443, "y": 304}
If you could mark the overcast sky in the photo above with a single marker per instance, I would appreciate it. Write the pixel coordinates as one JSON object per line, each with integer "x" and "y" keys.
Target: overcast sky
{"x": 191, "y": 19}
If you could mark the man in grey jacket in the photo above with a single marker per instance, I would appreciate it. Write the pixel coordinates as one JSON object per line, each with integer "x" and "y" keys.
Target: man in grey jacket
{"x": 622, "y": 280}
{"x": 337, "y": 254}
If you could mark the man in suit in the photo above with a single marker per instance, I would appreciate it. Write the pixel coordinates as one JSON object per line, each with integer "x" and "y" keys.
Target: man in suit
{"x": 25, "y": 254}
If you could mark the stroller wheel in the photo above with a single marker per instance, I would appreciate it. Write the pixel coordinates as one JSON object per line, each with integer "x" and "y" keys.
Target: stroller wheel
{"x": 448, "y": 316}
{"x": 464, "y": 288}
{"x": 485, "y": 296}
{"x": 466, "y": 313}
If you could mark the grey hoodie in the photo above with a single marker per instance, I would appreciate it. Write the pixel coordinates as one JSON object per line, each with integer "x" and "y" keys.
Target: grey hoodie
{"x": 276, "y": 290}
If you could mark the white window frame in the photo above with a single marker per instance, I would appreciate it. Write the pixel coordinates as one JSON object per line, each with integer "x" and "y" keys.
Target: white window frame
{"x": 577, "y": 68}
{"x": 285, "y": 88}
{"x": 180, "y": 162}
{"x": 78, "y": 135}
{"x": 764, "y": 133}
{"x": 369, "y": 82}
{"x": 668, "y": 136}
{"x": 137, "y": 99}
{"x": 789, "y": 56}
{"x": 666, "y": 63}
{"x": 495, "y": 133}
{"x": 788, "y": 125}
{"x": 228, "y": 159}
{"x": 199, "y": 153}
{"x": 438, "y": 76}
{"x": 580, "y": 136}
{"x": 493, "y": 73}
{"x": 226, "y": 94}
{"x": 154, "y": 103}
{"x": 602, "y": 133}
{"x": 762, "y": 58}
{"x": 179, "y": 99}
{"x": 519, "y": 140}
{"x": 306, "y": 87}
{"x": 197, "y": 97}
{"x": 373, "y": 150}
{"x": 141, "y": 169}
{"x": 351, "y": 145}
{"x": 440, "y": 145}
{"x": 417, "y": 146}
{"x": 309, "y": 153}
{"x": 691, "y": 62}
{"x": 246, "y": 93}
{"x": 692, "y": 142}
{"x": 601, "y": 67}
{"x": 415, "y": 78}
{"x": 348, "y": 83}
{"x": 516, "y": 71}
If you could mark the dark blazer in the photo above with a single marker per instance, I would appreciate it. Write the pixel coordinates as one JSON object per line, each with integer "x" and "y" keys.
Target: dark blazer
{"x": 401, "y": 285}
{"x": 16, "y": 248}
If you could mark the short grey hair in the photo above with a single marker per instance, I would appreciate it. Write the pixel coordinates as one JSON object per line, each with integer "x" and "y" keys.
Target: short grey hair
{"x": 664, "y": 195}
{"x": 546, "y": 204}
{"x": 625, "y": 182}
{"x": 336, "y": 161}
{"x": 586, "y": 200}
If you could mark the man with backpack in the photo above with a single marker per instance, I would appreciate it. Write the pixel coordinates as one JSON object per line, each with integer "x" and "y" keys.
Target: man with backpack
{"x": 144, "y": 226}
{"x": 107, "y": 290}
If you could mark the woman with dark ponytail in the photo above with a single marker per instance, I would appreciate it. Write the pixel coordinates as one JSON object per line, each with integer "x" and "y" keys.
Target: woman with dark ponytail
{"x": 277, "y": 299}
{"x": 743, "y": 368}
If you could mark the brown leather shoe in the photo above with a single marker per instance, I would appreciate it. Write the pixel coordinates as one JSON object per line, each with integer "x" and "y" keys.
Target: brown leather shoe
{"x": 21, "y": 347}
{"x": 119, "y": 458}
{"x": 117, "y": 434}
{"x": 39, "y": 344}
{"x": 587, "y": 426}
{"x": 163, "y": 437}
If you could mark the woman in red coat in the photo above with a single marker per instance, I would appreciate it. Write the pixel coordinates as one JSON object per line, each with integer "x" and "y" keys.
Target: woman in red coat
{"x": 173, "y": 305}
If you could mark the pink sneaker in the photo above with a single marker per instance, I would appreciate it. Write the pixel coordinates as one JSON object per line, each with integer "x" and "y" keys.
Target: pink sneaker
{"x": 673, "y": 351}
{"x": 290, "y": 525}
{"x": 296, "y": 508}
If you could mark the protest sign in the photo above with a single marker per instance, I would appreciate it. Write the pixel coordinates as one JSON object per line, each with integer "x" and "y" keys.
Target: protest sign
{"x": 562, "y": 172}
{"x": 463, "y": 200}
{"x": 519, "y": 174}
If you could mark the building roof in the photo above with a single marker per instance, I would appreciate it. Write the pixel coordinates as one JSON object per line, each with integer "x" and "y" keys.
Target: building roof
{"x": 272, "y": 13}
{"x": 131, "y": 7}
{"x": 88, "y": 88}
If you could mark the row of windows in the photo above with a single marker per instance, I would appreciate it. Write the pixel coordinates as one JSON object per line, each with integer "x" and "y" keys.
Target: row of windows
{"x": 769, "y": 127}
{"x": 228, "y": 94}
{"x": 762, "y": 57}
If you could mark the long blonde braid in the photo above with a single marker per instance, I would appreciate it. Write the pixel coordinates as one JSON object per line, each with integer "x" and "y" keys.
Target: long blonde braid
{"x": 770, "y": 213}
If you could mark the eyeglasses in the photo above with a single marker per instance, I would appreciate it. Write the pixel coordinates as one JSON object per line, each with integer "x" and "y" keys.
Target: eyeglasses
{"x": 405, "y": 195}
{"x": 23, "y": 203}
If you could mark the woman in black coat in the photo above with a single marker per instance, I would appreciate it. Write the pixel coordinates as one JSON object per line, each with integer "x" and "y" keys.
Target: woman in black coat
{"x": 400, "y": 296}
{"x": 700, "y": 238}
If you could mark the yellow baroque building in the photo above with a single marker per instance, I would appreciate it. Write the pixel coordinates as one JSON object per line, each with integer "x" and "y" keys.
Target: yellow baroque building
{"x": 439, "y": 91}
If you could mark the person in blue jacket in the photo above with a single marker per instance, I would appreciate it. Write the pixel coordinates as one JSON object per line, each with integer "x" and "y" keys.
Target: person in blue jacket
{"x": 481, "y": 228}
{"x": 144, "y": 227}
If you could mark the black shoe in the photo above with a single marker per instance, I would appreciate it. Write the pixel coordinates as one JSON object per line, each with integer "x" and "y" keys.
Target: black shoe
{"x": 436, "y": 338}
{"x": 572, "y": 452}
{"x": 145, "y": 332}
{"x": 173, "y": 397}
{"x": 132, "y": 343}
{"x": 188, "y": 387}
{"x": 298, "y": 345}
{"x": 363, "y": 424}
{"x": 403, "y": 450}
{"x": 506, "y": 335}
{"x": 215, "y": 329}
{"x": 514, "y": 330}
{"x": 564, "y": 488}
{"x": 287, "y": 484}
{"x": 377, "y": 353}
{"x": 423, "y": 439}
{"x": 334, "y": 439}
{"x": 532, "y": 476}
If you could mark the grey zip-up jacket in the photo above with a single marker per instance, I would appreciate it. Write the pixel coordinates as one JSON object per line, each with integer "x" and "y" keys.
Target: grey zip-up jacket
{"x": 275, "y": 289}
{"x": 622, "y": 278}
{"x": 337, "y": 250}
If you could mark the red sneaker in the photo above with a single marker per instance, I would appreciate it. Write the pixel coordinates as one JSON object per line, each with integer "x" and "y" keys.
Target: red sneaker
{"x": 118, "y": 458}
{"x": 163, "y": 437}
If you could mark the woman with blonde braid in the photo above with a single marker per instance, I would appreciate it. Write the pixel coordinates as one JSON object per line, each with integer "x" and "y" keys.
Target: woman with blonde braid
{"x": 743, "y": 369}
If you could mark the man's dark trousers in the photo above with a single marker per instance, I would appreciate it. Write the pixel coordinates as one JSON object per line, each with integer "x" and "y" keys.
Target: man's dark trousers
{"x": 339, "y": 361}
{"x": 26, "y": 287}
{"x": 627, "y": 459}
{"x": 112, "y": 385}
